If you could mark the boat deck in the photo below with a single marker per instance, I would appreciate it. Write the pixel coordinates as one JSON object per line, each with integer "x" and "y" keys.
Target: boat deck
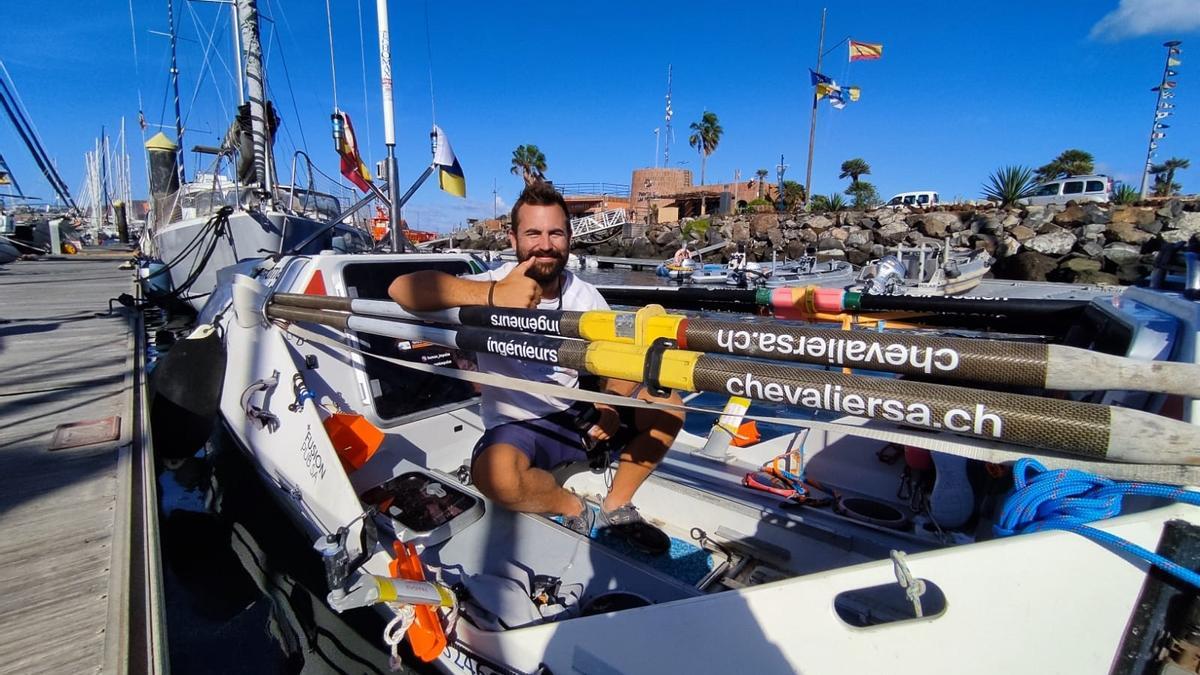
{"x": 65, "y": 491}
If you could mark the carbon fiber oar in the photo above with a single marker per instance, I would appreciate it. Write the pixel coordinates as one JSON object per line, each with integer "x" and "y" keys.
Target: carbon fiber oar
{"x": 1021, "y": 364}
{"x": 1084, "y": 429}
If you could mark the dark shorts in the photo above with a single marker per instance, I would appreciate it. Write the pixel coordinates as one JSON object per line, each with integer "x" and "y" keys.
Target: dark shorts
{"x": 551, "y": 441}
{"x": 547, "y": 442}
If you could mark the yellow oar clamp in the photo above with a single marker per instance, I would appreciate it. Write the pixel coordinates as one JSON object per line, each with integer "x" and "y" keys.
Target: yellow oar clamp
{"x": 653, "y": 366}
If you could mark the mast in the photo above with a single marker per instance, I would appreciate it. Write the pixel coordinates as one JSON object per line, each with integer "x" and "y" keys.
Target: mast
{"x": 256, "y": 90}
{"x": 237, "y": 53}
{"x": 1172, "y": 48}
{"x": 389, "y": 121}
{"x": 812, "y": 127}
{"x": 175, "y": 86}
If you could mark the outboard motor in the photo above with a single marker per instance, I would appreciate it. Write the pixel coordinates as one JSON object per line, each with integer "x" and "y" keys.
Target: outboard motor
{"x": 889, "y": 275}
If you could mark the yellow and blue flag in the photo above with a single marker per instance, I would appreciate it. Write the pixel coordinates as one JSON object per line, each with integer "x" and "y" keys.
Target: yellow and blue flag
{"x": 450, "y": 173}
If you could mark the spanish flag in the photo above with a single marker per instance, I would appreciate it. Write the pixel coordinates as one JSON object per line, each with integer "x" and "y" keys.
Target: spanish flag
{"x": 450, "y": 173}
{"x": 865, "y": 51}
{"x": 352, "y": 167}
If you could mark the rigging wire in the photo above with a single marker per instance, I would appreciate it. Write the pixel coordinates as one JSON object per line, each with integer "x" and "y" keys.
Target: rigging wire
{"x": 205, "y": 65}
{"x": 332, "y": 63}
{"x": 292, "y": 94}
{"x": 362, "y": 60}
{"x": 429, "y": 56}
{"x": 278, "y": 10}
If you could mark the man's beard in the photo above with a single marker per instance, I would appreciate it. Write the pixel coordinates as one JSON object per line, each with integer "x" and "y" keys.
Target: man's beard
{"x": 544, "y": 273}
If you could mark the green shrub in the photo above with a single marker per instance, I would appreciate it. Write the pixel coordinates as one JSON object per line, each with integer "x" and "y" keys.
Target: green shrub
{"x": 1125, "y": 194}
{"x": 695, "y": 229}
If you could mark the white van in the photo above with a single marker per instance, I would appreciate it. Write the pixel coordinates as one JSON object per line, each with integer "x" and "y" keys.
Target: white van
{"x": 922, "y": 198}
{"x": 1097, "y": 188}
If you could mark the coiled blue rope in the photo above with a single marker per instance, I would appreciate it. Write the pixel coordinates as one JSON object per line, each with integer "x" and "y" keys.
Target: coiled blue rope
{"x": 1068, "y": 499}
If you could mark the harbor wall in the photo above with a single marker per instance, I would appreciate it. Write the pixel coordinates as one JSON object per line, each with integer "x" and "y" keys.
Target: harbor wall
{"x": 1080, "y": 243}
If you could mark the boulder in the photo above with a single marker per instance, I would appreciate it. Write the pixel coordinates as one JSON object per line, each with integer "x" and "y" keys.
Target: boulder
{"x": 1073, "y": 214}
{"x": 1025, "y": 266}
{"x": 938, "y": 225}
{"x": 1022, "y": 233}
{"x": 1176, "y": 236}
{"x": 1171, "y": 209}
{"x": 818, "y": 224}
{"x": 839, "y": 233}
{"x": 1094, "y": 212}
{"x": 1188, "y": 222}
{"x": 1127, "y": 233}
{"x": 1092, "y": 249}
{"x": 1079, "y": 264}
{"x": 984, "y": 242}
{"x": 795, "y": 249}
{"x": 892, "y": 233}
{"x": 857, "y": 257}
{"x": 1096, "y": 278}
{"x": 1053, "y": 243}
{"x": 642, "y": 248}
{"x": 831, "y": 254}
{"x": 1010, "y": 220}
{"x": 1008, "y": 246}
{"x": 859, "y": 239}
{"x": 1153, "y": 227}
{"x": 1122, "y": 254}
{"x": 1090, "y": 229}
{"x": 738, "y": 231}
{"x": 775, "y": 237}
{"x": 762, "y": 223}
{"x": 828, "y": 243}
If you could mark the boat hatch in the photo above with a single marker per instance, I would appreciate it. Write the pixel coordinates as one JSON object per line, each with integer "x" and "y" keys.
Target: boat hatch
{"x": 397, "y": 392}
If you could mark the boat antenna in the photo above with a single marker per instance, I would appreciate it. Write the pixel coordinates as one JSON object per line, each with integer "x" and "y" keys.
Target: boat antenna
{"x": 332, "y": 63}
{"x": 389, "y": 120}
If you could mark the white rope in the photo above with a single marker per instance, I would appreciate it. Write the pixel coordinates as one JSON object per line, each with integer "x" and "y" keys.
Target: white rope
{"x": 395, "y": 630}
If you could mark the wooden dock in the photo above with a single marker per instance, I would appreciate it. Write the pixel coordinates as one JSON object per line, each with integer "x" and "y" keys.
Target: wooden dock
{"x": 76, "y": 592}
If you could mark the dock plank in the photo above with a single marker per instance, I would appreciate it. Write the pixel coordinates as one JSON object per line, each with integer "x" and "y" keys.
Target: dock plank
{"x": 64, "y": 359}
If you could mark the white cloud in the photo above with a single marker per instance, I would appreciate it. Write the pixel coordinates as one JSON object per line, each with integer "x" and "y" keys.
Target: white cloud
{"x": 1135, "y": 18}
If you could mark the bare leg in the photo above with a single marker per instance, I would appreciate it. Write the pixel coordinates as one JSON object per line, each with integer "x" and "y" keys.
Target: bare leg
{"x": 503, "y": 474}
{"x": 656, "y": 431}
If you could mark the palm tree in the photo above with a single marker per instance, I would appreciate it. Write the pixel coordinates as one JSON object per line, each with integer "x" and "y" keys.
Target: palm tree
{"x": 706, "y": 135}
{"x": 762, "y": 175}
{"x": 1068, "y": 163}
{"x": 1009, "y": 184}
{"x": 529, "y": 163}
{"x": 1164, "y": 176}
{"x": 853, "y": 168}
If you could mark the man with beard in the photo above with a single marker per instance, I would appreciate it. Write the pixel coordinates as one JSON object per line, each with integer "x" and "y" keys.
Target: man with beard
{"x": 528, "y": 434}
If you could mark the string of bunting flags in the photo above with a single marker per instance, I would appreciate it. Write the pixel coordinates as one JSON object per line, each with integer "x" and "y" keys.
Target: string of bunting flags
{"x": 1164, "y": 108}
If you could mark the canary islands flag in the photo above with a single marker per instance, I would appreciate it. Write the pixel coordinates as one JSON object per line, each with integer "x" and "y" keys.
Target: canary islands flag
{"x": 865, "y": 51}
{"x": 352, "y": 167}
{"x": 450, "y": 173}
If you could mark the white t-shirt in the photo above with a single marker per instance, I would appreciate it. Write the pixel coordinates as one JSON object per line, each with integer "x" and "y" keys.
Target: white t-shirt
{"x": 501, "y": 406}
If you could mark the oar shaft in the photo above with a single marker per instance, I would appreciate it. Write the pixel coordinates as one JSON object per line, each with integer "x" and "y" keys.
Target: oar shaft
{"x": 1066, "y": 426}
{"x": 1018, "y": 364}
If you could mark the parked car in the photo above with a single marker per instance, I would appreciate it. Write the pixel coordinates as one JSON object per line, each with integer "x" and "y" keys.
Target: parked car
{"x": 922, "y": 198}
{"x": 1097, "y": 188}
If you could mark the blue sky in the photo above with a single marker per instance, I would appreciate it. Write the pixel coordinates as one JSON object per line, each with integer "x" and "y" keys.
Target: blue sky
{"x": 962, "y": 88}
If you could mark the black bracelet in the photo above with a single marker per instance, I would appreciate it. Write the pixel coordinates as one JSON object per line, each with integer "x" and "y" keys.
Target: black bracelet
{"x": 491, "y": 292}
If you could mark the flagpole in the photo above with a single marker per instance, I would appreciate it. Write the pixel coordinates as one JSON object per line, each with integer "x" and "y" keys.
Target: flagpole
{"x": 812, "y": 127}
{"x": 389, "y": 121}
{"x": 1162, "y": 88}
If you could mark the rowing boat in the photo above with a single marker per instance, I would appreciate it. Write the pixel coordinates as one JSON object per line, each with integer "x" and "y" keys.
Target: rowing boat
{"x": 836, "y": 544}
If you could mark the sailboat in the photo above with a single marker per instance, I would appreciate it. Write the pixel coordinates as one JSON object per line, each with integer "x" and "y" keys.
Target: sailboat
{"x": 236, "y": 210}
